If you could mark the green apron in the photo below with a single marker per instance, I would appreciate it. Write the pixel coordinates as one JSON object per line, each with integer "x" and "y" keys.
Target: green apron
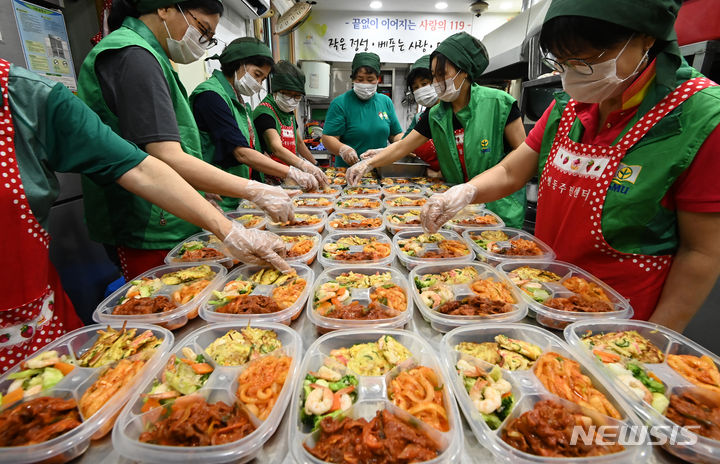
{"x": 483, "y": 120}
{"x": 115, "y": 216}
{"x": 241, "y": 112}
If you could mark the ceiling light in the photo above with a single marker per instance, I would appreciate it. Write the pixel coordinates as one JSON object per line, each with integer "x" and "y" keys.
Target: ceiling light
{"x": 376, "y": 5}
{"x": 441, "y": 5}
{"x": 506, "y": 6}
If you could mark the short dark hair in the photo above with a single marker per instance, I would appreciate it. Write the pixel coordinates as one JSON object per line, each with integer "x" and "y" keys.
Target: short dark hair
{"x": 121, "y": 9}
{"x": 418, "y": 73}
{"x": 366, "y": 70}
{"x": 229, "y": 69}
{"x": 570, "y": 36}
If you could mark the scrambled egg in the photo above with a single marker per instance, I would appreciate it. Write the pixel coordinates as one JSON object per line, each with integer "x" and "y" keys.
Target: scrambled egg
{"x": 236, "y": 348}
{"x": 372, "y": 359}
{"x": 187, "y": 275}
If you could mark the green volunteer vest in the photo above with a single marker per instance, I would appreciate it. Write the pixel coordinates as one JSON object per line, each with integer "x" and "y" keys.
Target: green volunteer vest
{"x": 286, "y": 119}
{"x": 115, "y": 216}
{"x": 484, "y": 120}
{"x": 240, "y": 111}
{"x": 633, "y": 218}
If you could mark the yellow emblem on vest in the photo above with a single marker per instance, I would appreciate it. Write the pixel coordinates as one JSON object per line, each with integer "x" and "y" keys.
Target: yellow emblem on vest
{"x": 484, "y": 145}
{"x": 627, "y": 173}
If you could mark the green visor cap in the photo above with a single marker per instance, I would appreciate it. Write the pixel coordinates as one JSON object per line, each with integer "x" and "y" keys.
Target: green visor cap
{"x": 371, "y": 60}
{"x": 422, "y": 63}
{"x": 287, "y": 76}
{"x": 148, "y": 6}
{"x": 242, "y": 48}
{"x": 466, "y": 52}
{"x": 653, "y": 17}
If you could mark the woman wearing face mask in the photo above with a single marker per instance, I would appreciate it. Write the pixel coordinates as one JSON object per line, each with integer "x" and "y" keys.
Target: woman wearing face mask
{"x": 128, "y": 80}
{"x": 228, "y": 137}
{"x": 360, "y": 119}
{"x": 473, "y": 127}
{"x": 275, "y": 121}
{"x": 627, "y": 158}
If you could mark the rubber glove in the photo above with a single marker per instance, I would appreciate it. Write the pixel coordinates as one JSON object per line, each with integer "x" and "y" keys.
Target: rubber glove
{"x": 314, "y": 171}
{"x": 303, "y": 179}
{"x": 273, "y": 200}
{"x": 355, "y": 173}
{"x": 348, "y": 155}
{"x": 370, "y": 153}
{"x": 442, "y": 207}
{"x": 253, "y": 246}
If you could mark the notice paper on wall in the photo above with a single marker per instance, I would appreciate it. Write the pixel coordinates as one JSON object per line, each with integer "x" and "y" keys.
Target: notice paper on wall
{"x": 45, "y": 42}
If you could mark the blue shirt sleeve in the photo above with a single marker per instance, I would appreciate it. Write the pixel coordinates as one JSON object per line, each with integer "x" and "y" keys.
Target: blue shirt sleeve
{"x": 214, "y": 116}
{"x": 335, "y": 123}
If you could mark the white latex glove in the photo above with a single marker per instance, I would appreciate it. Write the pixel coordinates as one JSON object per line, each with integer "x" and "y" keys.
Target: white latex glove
{"x": 273, "y": 200}
{"x": 355, "y": 173}
{"x": 314, "y": 171}
{"x": 253, "y": 246}
{"x": 442, "y": 207}
{"x": 303, "y": 179}
{"x": 370, "y": 153}
{"x": 348, "y": 155}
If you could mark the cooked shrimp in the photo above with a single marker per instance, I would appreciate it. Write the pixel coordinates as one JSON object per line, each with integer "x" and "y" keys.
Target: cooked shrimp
{"x": 319, "y": 401}
{"x": 489, "y": 400}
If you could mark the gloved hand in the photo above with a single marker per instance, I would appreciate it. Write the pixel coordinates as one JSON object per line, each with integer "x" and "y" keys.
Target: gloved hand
{"x": 348, "y": 155}
{"x": 356, "y": 172}
{"x": 303, "y": 179}
{"x": 214, "y": 199}
{"x": 370, "y": 153}
{"x": 314, "y": 171}
{"x": 442, "y": 207}
{"x": 253, "y": 246}
{"x": 273, "y": 200}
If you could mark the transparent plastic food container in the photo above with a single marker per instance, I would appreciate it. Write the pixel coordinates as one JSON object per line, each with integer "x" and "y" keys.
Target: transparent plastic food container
{"x": 221, "y": 385}
{"x": 411, "y": 261}
{"x": 208, "y": 240}
{"x": 404, "y": 201}
{"x": 317, "y": 227}
{"x": 173, "y": 319}
{"x": 556, "y": 318}
{"x": 394, "y": 227}
{"x": 73, "y": 385}
{"x": 336, "y": 220}
{"x": 480, "y": 218}
{"x": 501, "y": 247}
{"x": 444, "y": 322}
{"x": 374, "y": 190}
{"x": 247, "y": 205}
{"x": 528, "y": 390}
{"x": 703, "y": 449}
{"x": 373, "y": 391}
{"x": 439, "y": 187}
{"x": 403, "y": 190}
{"x": 332, "y": 190}
{"x": 378, "y": 237}
{"x": 257, "y": 219}
{"x": 315, "y": 202}
{"x": 306, "y": 258}
{"x": 361, "y": 295}
{"x": 208, "y": 311}
{"x": 388, "y": 181}
{"x": 358, "y": 203}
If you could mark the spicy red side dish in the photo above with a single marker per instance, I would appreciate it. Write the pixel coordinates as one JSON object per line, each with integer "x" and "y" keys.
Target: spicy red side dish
{"x": 38, "y": 420}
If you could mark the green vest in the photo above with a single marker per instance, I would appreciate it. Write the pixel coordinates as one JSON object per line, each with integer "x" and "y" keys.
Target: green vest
{"x": 240, "y": 111}
{"x": 286, "y": 119}
{"x": 484, "y": 120}
{"x": 633, "y": 218}
{"x": 115, "y": 216}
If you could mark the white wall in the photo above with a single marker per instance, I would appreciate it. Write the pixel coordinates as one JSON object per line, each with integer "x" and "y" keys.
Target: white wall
{"x": 488, "y": 22}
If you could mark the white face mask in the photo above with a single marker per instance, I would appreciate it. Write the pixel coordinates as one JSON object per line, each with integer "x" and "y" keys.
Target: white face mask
{"x": 364, "y": 91}
{"x": 285, "y": 103}
{"x": 426, "y": 96}
{"x": 187, "y": 49}
{"x": 603, "y": 83}
{"x": 247, "y": 85}
{"x": 451, "y": 92}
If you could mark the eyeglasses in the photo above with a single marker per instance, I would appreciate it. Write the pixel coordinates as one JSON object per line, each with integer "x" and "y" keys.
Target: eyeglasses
{"x": 294, "y": 97}
{"x": 206, "y": 37}
{"x": 579, "y": 65}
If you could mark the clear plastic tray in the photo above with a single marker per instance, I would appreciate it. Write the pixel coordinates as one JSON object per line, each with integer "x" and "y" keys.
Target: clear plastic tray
{"x": 403, "y": 190}
{"x": 362, "y": 190}
{"x": 362, "y": 295}
{"x": 494, "y": 259}
{"x": 210, "y": 241}
{"x": 309, "y": 257}
{"x": 285, "y": 316}
{"x": 528, "y": 390}
{"x": 341, "y": 205}
{"x": 332, "y": 238}
{"x": 171, "y": 320}
{"x": 319, "y": 227}
{"x": 388, "y": 201}
{"x": 411, "y": 261}
{"x": 473, "y": 211}
{"x": 220, "y": 386}
{"x": 669, "y": 342}
{"x": 262, "y": 219}
{"x": 442, "y": 322}
{"x": 372, "y": 391}
{"x": 75, "y": 442}
{"x": 394, "y": 228}
{"x": 555, "y": 318}
{"x": 311, "y": 201}
{"x": 368, "y": 214}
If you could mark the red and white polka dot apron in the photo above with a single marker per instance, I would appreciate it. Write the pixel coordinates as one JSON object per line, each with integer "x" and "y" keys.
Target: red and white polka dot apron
{"x": 34, "y": 310}
{"x": 573, "y": 188}
{"x": 287, "y": 134}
